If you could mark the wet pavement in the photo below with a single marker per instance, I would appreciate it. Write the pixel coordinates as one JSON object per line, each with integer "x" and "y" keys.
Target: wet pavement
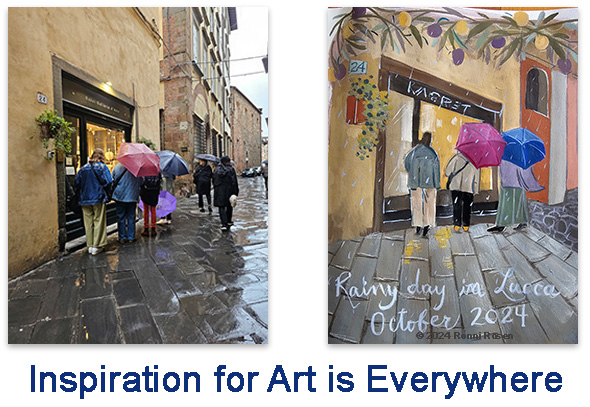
{"x": 453, "y": 287}
{"x": 192, "y": 283}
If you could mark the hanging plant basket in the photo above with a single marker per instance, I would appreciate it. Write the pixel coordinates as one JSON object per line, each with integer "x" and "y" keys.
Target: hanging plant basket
{"x": 44, "y": 131}
{"x": 56, "y": 128}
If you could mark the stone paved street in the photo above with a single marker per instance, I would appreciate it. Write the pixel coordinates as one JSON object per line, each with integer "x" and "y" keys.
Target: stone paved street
{"x": 453, "y": 287}
{"x": 192, "y": 283}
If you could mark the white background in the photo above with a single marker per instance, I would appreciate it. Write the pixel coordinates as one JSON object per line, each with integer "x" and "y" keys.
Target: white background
{"x": 298, "y": 268}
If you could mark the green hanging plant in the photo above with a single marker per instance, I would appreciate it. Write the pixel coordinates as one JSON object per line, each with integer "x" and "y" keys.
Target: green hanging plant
{"x": 56, "y": 128}
{"x": 147, "y": 142}
{"x": 376, "y": 109}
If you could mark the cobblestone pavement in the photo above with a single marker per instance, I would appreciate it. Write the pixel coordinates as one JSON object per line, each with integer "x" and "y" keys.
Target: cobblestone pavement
{"x": 192, "y": 283}
{"x": 453, "y": 287}
{"x": 558, "y": 221}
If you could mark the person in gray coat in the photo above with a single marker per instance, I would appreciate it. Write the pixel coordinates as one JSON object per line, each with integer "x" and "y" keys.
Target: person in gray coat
{"x": 423, "y": 169}
{"x": 463, "y": 182}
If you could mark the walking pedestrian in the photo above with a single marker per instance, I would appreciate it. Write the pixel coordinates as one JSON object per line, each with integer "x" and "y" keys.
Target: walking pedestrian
{"x": 512, "y": 204}
{"x": 423, "y": 169}
{"x": 463, "y": 182}
{"x": 265, "y": 174}
{"x": 91, "y": 180}
{"x": 202, "y": 180}
{"x": 150, "y": 192}
{"x": 225, "y": 184}
{"x": 168, "y": 186}
{"x": 126, "y": 196}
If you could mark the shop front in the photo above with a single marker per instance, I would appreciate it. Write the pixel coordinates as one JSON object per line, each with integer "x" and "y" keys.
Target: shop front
{"x": 426, "y": 103}
{"x": 100, "y": 120}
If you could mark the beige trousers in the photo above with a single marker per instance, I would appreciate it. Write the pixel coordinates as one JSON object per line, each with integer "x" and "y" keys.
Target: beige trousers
{"x": 95, "y": 224}
{"x": 423, "y": 203}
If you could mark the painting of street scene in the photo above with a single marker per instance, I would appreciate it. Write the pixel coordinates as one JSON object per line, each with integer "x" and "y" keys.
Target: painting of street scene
{"x": 453, "y": 176}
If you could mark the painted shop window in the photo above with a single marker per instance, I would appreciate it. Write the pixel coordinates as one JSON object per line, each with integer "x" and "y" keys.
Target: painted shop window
{"x": 536, "y": 91}
{"x": 354, "y": 111}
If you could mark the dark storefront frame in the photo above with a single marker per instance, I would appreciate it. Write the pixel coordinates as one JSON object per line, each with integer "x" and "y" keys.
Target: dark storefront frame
{"x": 398, "y": 77}
{"x": 104, "y": 106}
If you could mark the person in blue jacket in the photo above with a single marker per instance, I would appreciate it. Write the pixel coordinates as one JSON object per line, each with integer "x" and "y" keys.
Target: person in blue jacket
{"x": 91, "y": 180}
{"x": 126, "y": 197}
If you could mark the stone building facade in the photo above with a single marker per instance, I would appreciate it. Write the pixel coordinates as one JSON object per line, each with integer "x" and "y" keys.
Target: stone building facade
{"x": 246, "y": 131}
{"x": 98, "y": 68}
{"x": 195, "y": 82}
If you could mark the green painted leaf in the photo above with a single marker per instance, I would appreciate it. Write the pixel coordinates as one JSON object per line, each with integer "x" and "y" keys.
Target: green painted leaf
{"x": 426, "y": 19}
{"x": 416, "y": 34}
{"x": 540, "y": 18}
{"x": 549, "y": 18}
{"x": 508, "y": 51}
{"x": 483, "y": 15}
{"x": 458, "y": 39}
{"x": 482, "y": 38}
{"x": 510, "y": 20}
{"x": 557, "y": 47}
{"x": 478, "y": 28}
{"x": 562, "y": 36}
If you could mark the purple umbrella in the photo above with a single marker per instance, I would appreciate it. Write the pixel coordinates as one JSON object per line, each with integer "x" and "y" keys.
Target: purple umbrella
{"x": 481, "y": 143}
{"x": 166, "y": 204}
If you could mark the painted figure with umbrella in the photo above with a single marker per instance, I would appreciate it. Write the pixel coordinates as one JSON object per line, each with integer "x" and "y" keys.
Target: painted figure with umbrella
{"x": 479, "y": 145}
{"x": 172, "y": 166}
{"x": 523, "y": 149}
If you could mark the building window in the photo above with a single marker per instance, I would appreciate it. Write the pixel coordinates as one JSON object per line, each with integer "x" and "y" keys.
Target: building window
{"x": 200, "y": 138}
{"x": 536, "y": 96}
{"x": 197, "y": 46}
{"x": 214, "y": 142}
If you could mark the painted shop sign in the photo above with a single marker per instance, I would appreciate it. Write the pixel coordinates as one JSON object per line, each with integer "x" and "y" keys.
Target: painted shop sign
{"x": 92, "y": 98}
{"x": 429, "y": 94}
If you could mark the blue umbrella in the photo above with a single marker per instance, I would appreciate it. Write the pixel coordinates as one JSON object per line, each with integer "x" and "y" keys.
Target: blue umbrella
{"x": 524, "y": 148}
{"x": 172, "y": 163}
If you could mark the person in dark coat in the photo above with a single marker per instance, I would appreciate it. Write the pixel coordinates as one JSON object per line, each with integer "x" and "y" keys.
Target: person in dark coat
{"x": 150, "y": 193}
{"x": 202, "y": 180}
{"x": 225, "y": 184}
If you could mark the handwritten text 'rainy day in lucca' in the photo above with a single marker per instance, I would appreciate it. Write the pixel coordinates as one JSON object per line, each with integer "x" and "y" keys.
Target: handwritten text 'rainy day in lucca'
{"x": 402, "y": 321}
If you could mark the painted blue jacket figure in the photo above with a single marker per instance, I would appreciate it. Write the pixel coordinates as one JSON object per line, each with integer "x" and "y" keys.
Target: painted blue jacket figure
{"x": 126, "y": 196}
{"x": 90, "y": 181}
{"x": 423, "y": 170}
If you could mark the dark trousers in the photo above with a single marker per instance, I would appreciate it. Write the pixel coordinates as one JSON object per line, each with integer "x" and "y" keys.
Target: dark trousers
{"x": 208, "y": 195}
{"x": 462, "y": 202}
{"x": 225, "y": 214}
{"x": 126, "y": 219}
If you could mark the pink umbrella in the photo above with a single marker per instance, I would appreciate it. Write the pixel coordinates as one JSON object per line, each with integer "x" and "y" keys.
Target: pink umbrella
{"x": 139, "y": 159}
{"x": 481, "y": 143}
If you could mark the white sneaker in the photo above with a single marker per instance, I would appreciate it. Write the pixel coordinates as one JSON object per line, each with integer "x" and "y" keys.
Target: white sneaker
{"x": 161, "y": 222}
{"x": 97, "y": 250}
{"x": 91, "y": 250}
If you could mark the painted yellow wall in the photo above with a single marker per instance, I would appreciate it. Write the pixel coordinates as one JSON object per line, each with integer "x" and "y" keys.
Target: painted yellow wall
{"x": 111, "y": 44}
{"x": 347, "y": 217}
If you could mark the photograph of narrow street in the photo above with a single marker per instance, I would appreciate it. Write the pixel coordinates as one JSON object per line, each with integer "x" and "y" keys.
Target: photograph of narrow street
{"x": 138, "y": 175}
